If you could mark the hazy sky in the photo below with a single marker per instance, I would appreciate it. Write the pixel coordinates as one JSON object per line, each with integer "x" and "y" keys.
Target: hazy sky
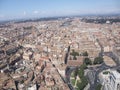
{"x": 10, "y": 9}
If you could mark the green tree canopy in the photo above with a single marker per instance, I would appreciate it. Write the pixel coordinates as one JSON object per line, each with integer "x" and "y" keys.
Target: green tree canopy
{"x": 84, "y": 80}
{"x": 98, "y": 87}
{"x": 98, "y": 60}
{"x": 85, "y": 53}
{"x": 74, "y": 53}
{"x": 87, "y": 61}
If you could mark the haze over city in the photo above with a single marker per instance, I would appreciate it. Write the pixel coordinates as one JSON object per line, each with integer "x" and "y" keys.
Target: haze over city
{"x": 20, "y": 9}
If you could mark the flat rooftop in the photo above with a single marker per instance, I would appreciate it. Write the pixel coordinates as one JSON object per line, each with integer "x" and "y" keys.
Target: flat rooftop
{"x": 116, "y": 74}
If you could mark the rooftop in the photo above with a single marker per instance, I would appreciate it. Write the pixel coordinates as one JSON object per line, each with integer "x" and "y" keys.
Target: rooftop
{"x": 116, "y": 74}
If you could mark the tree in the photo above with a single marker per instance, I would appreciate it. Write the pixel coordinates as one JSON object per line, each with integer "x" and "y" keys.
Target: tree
{"x": 84, "y": 80}
{"x": 74, "y": 54}
{"x": 81, "y": 70}
{"x": 74, "y": 58}
{"x": 85, "y": 53}
{"x": 83, "y": 66}
{"x": 87, "y": 61}
{"x": 70, "y": 58}
{"x": 98, "y": 87}
{"x": 76, "y": 73}
{"x": 98, "y": 60}
{"x": 83, "y": 83}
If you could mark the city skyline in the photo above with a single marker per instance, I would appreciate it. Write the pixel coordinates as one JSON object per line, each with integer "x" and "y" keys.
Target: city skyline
{"x": 15, "y": 9}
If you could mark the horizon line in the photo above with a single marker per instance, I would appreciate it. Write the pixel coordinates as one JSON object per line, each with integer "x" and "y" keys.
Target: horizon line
{"x": 61, "y": 16}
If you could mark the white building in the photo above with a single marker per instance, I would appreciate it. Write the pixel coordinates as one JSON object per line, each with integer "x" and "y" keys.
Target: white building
{"x": 115, "y": 80}
{"x": 110, "y": 80}
{"x": 32, "y": 87}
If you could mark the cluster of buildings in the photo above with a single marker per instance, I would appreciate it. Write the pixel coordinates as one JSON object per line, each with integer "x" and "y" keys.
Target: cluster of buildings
{"x": 33, "y": 54}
